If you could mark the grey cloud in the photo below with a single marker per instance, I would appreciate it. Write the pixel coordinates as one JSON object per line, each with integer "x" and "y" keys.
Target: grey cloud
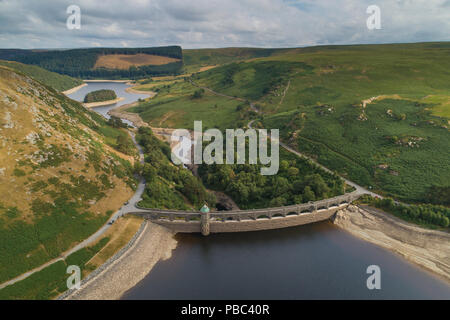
{"x": 218, "y": 23}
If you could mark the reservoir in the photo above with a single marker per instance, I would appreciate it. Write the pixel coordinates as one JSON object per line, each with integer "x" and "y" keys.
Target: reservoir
{"x": 118, "y": 87}
{"x": 318, "y": 261}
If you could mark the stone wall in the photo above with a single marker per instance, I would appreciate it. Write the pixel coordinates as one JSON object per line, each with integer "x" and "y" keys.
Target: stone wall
{"x": 251, "y": 225}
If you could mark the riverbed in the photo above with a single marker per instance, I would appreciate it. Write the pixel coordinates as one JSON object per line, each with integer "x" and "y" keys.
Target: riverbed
{"x": 318, "y": 261}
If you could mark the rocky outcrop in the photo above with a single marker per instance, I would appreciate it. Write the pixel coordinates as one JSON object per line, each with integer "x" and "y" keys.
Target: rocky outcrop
{"x": 429, "y": 249}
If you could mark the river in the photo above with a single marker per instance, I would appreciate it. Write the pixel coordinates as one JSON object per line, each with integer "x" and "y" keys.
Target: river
{"x": 318, "y": 261}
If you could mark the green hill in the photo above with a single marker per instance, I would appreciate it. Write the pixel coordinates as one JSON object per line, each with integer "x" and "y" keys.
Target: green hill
{"x": 194, "y": 59}
{"x": 55, "y": 80}
{"x": 377, "y": 114}
{"x": 62, "y": 179}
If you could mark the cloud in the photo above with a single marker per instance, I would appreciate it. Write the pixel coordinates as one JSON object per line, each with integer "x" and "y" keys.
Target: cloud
{"x": 218, "y": 23}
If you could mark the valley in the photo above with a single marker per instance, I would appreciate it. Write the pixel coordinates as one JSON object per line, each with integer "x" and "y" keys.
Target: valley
{"x": 362, "y": 115}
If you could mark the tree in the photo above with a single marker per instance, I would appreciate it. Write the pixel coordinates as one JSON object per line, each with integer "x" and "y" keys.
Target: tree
{"x": 317, "y": 184}
{"x": 293, "y": 171}
{"x": 308, "y": 194}
{"x": 198, "y": 94}
{"x": 148, "y": 172}
{"x": 124, "y": 144}
{"x": 284, "y": 165}
{"x": 277, "y": 202}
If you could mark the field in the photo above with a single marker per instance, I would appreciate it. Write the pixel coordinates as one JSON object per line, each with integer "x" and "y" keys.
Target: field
{"x": 175, "y": 107}
{"x": 201, "y": 59}
{"x": 124, "y": 62}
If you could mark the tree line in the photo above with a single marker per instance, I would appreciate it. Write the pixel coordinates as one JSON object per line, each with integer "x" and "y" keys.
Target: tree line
{"x": 79, "y": 63}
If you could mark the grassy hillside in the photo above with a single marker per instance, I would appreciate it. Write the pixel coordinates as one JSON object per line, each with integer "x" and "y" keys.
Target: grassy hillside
{"x": 196, "y": 59}
{"x": 377, "y": 114}
{"x": 82, "y": 63}
{"x": 55, "y": 80}
{"x": 62, "y": 179}
{"x": 175, "y": 106}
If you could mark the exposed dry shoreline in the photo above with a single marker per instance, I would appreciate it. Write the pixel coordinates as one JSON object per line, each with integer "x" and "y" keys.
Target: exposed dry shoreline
{"x": 155, "y": 243}
{"x": 102, "y": 103}
{"x": 74, "y": 89}
{"x": 429, "y": 249}
{"x": 105, "y": 80}
{"x": 120, "y": 112}
{"x": 150, "y": 94}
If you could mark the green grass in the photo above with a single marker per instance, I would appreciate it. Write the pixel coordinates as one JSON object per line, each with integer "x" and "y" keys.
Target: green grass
{"x": 51, "y": 281}
{"x": 55, "y": 80}
{"x": 175, "y": 107}
{"x": 321, "y": 108}
{"x": 321, "y": 113}
{"x": 194, "y": 59}
{"x": 57, "y": 212}
{"x": 251, "y": 80}
{"x": 56, "y": 227}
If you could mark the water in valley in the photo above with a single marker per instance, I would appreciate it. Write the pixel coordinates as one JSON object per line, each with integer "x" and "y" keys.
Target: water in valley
{"x": 118, "y": 87}
{"x": 318, "y": 261}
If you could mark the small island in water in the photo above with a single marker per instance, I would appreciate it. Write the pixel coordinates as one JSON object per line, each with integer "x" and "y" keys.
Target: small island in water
{"x": 100, "y": 96}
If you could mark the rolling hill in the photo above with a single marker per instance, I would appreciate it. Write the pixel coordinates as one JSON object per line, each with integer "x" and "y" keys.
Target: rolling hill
{"x": 52, "y": 79}
{"x": 60, "y": 176}
{"x": 377, "y": 114}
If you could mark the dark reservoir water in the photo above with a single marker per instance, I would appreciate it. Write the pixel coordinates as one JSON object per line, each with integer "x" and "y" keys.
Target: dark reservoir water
{"x": 318, "y": 261}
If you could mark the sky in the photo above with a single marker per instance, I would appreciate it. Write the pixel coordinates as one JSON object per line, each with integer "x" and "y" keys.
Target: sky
{"x": 219, "y": 23}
